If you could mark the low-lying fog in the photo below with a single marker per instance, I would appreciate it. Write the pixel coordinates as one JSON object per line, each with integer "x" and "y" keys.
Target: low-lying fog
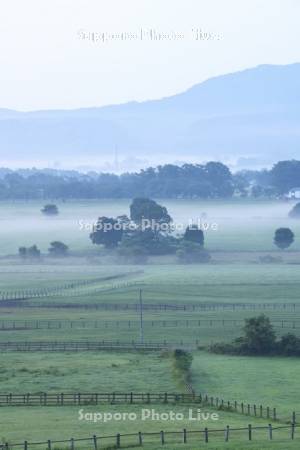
{"x": 22, "y": 223}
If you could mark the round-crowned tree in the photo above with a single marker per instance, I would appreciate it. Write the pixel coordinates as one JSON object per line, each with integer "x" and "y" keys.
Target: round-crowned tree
{"x": 148, "y": 210}
{"x": 107, "y": 231}
{"x": 58, "y": 249}
{"x": 283, "y": 238}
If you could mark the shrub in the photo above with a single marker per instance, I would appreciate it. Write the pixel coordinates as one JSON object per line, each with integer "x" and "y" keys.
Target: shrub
{"x": 50, "y": 210}
{"x": 192, "y": 253}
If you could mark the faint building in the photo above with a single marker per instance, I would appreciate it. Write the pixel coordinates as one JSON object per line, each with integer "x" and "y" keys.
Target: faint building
{"x": 294, "y": 193}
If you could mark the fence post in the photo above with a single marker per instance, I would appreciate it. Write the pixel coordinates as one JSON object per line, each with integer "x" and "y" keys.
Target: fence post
{"x": 118, "y": 440}
{"x": 184, "y": 436}
{"x": 162, "y": 437}
{"x": 293, "y": 431}
{"x": 250, "y": 432}
{"x": 72, "y": 444}
{"x": 270, "y": 431}
{"x": 206, "y": 434}
{"x": 25, "y": 445}
{"x": 95, "y": 442}
{"x": 48, "y": 444}
{"x": 294, "y": 417}
{"x": 140, "y": 438}
{"x": 227, "y": 433}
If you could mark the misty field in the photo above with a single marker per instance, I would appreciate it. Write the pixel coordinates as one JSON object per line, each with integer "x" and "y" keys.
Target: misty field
{"x": 241, "y": 225}
{"x": 195, "y": 305}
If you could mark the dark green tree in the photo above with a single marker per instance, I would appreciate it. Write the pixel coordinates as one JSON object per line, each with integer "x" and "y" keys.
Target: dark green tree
{"x": 194, "y": 234}
{"x": 289, "y": 345}
{"x": 149, "y": 242}
{"x": 285, "y": 175}
{"x": 147, "y": 209}
{"x": 33, "y": 252}
{"x": 23, "y": 252}
{"x": 58, "y": 249}
{"x": 192, "y": 253}
{"x": 283, "y": 238}
{"x": 107, "y": 231}
{"x": 259, "y": 335}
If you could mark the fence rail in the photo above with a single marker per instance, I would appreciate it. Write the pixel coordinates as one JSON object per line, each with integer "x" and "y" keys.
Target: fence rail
{"x": 55, "y": 324}
{"x": 63, "y": 346}
{"x": 183, "y": 436}
{"x": 26, "y": 294}
{"x": 95, "y": 398}
{"x": 157, "y": 307}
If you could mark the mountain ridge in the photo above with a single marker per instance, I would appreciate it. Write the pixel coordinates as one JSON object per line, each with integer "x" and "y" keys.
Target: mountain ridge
{"x": 236, "y": 115}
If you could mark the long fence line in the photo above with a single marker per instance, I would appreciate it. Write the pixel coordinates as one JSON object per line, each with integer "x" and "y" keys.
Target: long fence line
{"x": 56, "y": 324}
{"x": 144, "y": 398}
{"x": 183, "y": 436}
{"x": 76, "y": 346}
{"x": 81, "y": 399}
{"x": 157, "y": 307}
{"x": 26, "y": 294}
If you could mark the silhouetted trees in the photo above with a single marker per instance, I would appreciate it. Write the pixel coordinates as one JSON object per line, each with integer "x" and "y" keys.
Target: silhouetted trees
{"x": 284, "y": 237}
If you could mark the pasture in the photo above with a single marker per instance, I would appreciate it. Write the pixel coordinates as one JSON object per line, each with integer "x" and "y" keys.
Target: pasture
{"x": 83, "y": 298}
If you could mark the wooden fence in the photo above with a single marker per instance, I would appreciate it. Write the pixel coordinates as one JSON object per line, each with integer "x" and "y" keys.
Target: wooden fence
{"x": 156, "y": 307}
{"x": 68, "y": 346}
{"x": 55, "y": 324}
{"x": 163, "y": 437}
{"x": 26, "y": 294}
{"x": 69, "y": 399}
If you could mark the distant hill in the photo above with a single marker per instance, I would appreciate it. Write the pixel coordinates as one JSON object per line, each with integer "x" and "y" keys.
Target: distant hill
{"x": 253, "y": 115}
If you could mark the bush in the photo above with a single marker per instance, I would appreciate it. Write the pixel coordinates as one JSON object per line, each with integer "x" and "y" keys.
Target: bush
{"x": 194, "y": 234}
{"x": 192, "y": 253}
{"x": 269, "y": 259}
{"x": 152, "y": 243}
{"x": 29, "y": 252}
{"x": 58, "y": 249}
{"x": 260, "y": 339}
{"x": 182, "y": 362}
{"x": 289, "y": 345}
{"x": 50, "y": 210}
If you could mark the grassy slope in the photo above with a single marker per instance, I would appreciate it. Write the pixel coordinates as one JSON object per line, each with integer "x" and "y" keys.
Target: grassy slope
{"x": 262, "y": 380}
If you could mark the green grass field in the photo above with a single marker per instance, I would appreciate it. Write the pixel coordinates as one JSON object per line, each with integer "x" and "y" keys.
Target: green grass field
{"x": 234, "y": 276}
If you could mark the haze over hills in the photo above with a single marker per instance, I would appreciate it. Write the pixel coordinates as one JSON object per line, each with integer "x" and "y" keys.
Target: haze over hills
{"x": 249, "y": 118}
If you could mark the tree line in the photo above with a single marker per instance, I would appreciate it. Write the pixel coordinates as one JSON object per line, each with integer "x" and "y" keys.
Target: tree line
{"x": 211, "y": 180}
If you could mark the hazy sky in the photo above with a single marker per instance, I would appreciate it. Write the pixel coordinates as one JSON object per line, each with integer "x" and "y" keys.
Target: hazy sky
{"x": 45, "y": 63}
